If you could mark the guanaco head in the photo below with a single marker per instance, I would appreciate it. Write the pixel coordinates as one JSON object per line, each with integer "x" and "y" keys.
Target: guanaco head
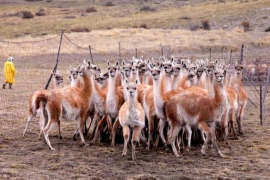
{"x": 126, "y": 68}
{"x": 155, "y": 72}
{"x": 141, "y": 68}
{"x": 131, "y": 88}
{"x": 219, "y": 75}
{"x": 176, "y": 68}
{"x": 239, "y": 69}
{"x": 167, "y": 66}
{"x": 89, "y": 68}
{"x": 73, "y": 73}
{"x": 57, "y": 77}
{"x": 209, "y": 68}
{"x": 192, "y": 69}
{"x": 134, "y": 68}
{"x": 112, "y": 69}
{"x": 102, "y": 79}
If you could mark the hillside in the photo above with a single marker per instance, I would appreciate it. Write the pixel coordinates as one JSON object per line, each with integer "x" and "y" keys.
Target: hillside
{"x": 51, "y": 16}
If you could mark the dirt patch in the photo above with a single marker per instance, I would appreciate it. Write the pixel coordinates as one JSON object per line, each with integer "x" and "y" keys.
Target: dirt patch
{"x": 30, "y": 158}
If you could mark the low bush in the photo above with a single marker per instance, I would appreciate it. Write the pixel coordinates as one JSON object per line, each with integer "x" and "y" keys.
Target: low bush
{"x": 27, "y": 15}
{"x": 206, "y": 25}
{"x": 80, "y": 29}
{"x": 146, "y": 8}
{"x": 246, "y": 26}
{"x": 109, "y": 3}
{"x": 91, "y": 9}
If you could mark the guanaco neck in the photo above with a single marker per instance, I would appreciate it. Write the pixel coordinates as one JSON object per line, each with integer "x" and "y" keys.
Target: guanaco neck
{"x": 86, "y": 90}
{"x": 175, "y": 81}
{"x": 97, "y": 91}
{"x": 112, "y": 87}
{"x": 159, "y": 98}
{"x": 74, "y": 82}
{"x": 220, "y": 95}
{"x": 166, "y": 81}
{"x": 237, "y": 82}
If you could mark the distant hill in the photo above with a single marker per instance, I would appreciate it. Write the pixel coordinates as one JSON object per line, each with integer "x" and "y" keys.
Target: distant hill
{"x": 41, "y": 17}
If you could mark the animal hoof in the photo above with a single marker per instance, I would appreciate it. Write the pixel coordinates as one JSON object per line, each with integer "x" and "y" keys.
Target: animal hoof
{"x": 124, "y": 154}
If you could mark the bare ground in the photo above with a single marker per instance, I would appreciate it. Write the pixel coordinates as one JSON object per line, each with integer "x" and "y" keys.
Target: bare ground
{"x": 30, "y": 158}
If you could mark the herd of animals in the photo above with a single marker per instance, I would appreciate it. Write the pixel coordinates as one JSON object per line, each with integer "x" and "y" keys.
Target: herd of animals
{"x": 152, "y": 101}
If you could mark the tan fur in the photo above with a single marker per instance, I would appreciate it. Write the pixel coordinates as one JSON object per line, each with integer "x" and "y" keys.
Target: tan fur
{"x": 70, "y": 103}
{"x": 195, "y": 109}
{"x": 131, "y": 115}
{"x": 242, "y": 95}
{"x": 37, "y": 108}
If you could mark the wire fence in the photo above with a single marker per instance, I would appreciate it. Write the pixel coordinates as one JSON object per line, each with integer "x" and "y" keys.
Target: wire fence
{"x": 34, "y": 61}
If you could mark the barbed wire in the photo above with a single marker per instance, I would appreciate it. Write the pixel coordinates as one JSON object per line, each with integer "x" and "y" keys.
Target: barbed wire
{"x": 34, "y": 41}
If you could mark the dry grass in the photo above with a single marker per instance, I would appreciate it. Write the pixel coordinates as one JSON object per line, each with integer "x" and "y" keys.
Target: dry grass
{"x": 127, "y": 15}
{"x": 180, "y": 40}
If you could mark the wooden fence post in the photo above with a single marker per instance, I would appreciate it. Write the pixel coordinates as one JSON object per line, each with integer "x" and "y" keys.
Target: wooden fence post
{"x": 261, "y": 105}
{"x": 242, "y": 54}
{"x": 120, "y": 51}
{"x": 91, "y": 54}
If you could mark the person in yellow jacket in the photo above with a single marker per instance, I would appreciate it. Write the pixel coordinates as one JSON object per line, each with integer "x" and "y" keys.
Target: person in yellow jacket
{"x": 9, "y": 73}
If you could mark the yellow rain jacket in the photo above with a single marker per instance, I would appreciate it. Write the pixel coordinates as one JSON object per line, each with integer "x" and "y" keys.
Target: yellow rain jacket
{"x": 9, "y": 72}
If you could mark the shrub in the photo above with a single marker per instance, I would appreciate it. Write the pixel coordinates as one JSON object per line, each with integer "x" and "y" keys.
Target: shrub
{"x": 91, "y": 9}
{"x": 41, "y": 12}
{"x": 27, "y": 15}
{"x": 206, "y": 25}
{"x": 143, "y": 26}
{"x": 146, "y": 8}
{"x": 194, "y": 27}
{"x": 246, "y": 26}
{"x": 70, "y": 17}
{"x": 267, "y": 29}
{"x": 109, "y": 3}
{"x": 80, "y": 29}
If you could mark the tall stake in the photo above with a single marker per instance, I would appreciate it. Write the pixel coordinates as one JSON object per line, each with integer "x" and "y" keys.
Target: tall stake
{"x": 231, "y": 58}
{"x": 56, "y": 64}
{"x": 210, "y": 51}
{"x": 91, "y": 55}
{"x": 136, "y": 53}
{"x": 119, "y": 51}
{"x": 261, "y": 105}
{"x": 242, "y": 53}
{"x": 161, "y": 49}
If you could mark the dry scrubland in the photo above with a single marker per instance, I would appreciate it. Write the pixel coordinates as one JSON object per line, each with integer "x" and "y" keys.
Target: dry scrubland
{"x": 29, "y": 158}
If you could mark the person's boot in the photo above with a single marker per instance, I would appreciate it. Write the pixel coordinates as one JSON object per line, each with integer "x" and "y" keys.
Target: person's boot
{"x": 10, "y": 86}
{"x": 4, "y": 86}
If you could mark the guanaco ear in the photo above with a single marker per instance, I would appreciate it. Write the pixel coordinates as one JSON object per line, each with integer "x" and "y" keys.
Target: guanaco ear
{"x": 108, "y": 62}
{"x": 116, "y": 64}
{"x": 106, "y": 75}
{"x": 84, "y": 62}
{"x": 123, "y": 62}
{"x": 136, "y": 82}
{"x": 89, "y": 63}
{"x": 132, "y": 63}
